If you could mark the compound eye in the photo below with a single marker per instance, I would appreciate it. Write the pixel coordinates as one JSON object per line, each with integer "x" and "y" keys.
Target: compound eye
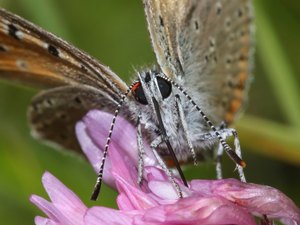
{"x": 165, "y": 87}
{"x": 138, "y": 93}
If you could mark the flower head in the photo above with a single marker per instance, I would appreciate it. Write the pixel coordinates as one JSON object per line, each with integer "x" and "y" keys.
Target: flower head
{"x": 155, "y": 201}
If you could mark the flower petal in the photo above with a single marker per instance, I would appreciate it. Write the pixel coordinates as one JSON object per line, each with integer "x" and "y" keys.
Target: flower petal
{"x": 93, "y": 153}
{"x": 105, "y": 216}
{"x": 161, "y": 186}
{"x": 258, "y": 199}
{"x": 131, "y": 197}
{"x": 262, "y": 199}
{"x": 50, "y": 210}
{"x": 155, "y": 201}
{"x": 38, "y": 220}
{"x": 63, "y": 198}
{"x": 197, "y": 211}
{"x": 164, "y": 190}
{"x": 92, "y": 133}
{"x": 98, "y": 125}
{"x": 65, "y": 208}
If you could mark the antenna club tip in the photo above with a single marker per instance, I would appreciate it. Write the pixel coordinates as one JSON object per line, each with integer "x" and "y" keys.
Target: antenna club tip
{"x": 94, "y": 197}
{"x": 243, "y": 164}
{"x": 95, "y": 193}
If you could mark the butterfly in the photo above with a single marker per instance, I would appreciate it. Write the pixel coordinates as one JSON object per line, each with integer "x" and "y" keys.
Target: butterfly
{"x": 182, "y": 105}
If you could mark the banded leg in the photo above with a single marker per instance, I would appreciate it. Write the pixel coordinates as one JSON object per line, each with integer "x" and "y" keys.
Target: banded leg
{"x": 225, "y": 133}
{"x": 238, "y": 151}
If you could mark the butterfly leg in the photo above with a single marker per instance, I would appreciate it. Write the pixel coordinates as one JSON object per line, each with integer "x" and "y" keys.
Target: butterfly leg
{"x": 238, "y": 151}
{"x": 220, "y": 152}
{"x": 141, "y": 151}
{"x": 222, "y": 128}
{"x": 155, "y": 143}
{"x": 185, "y": 127}
{"x": 225, "y": 133}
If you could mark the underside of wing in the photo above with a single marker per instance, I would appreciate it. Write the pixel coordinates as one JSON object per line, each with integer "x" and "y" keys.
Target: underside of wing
{"x": 34, "y": 56}
{"x": 54, "y": 113}
{"x": 163, "y": 18}
{"x": 207, "y": 44}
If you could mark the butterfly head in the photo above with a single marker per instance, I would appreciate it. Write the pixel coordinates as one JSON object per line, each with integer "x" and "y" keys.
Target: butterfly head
{"x": 152, "y": 85}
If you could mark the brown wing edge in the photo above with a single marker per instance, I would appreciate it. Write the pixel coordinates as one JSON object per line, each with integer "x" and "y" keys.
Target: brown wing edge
{"x": 96, "y": 70}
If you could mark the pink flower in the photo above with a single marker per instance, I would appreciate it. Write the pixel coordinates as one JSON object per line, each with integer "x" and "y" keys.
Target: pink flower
{"x": 156, "y": 202}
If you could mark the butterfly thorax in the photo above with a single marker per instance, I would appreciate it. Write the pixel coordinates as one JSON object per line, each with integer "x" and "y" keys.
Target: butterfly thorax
{"x": 155, "y": 86}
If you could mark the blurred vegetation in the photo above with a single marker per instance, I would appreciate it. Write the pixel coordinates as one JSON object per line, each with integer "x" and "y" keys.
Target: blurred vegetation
{"x": 115, "y": 32}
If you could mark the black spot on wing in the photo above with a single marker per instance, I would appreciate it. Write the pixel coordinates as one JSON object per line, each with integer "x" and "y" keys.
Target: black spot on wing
{"x": 12, "y": 31}
{"x": 83, "y": 68}
{"x": 228, "y": 22}
{"x": 77, "y": 100}
{"x": 219, "y": 10}
{"x": 228, "y": 60}
{"x": 49, "y": 102}
{"x": 53, "y": 50}
{"x": 215, "y": 59}
{"x": 206, "y": 58}
{"x": 240, "y": 13}
{"x": 196, "y": 25}
{"x": 22, "y": 64}
{"x": 161, "y": 21}
{"x": 190, "y": 14}
{"x": 242, "y": 58}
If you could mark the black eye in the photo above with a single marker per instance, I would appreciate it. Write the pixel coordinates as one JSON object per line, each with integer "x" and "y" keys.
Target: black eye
{"x": 165, "y": 87}
{"x": 139, "y": 94}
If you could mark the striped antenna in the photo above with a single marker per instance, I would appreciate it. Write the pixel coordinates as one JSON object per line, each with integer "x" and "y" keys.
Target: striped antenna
{"x": 97, "y": 187}
{"x": 226, "y": 147}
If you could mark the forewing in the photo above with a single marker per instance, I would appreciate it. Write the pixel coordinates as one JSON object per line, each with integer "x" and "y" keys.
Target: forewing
{"x": 78, "y": 82}
{"x": 34, "y": 56}
{"x": 163, "y": 17}
{"x": 207, "y": 45}
{"x": 53, "y": 113}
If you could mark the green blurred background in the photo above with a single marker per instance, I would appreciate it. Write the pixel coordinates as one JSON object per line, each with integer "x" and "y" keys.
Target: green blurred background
{"x": 115, "y": 32}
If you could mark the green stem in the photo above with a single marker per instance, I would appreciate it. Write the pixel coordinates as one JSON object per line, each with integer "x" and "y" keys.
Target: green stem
{"x": 270, "y": 138}
{"x": 277, "y": 67}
